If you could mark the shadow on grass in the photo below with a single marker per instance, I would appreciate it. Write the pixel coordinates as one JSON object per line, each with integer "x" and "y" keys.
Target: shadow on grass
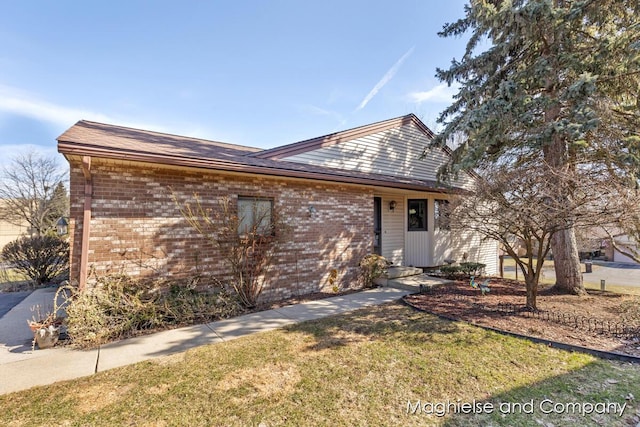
{"x": 379, "y": 322}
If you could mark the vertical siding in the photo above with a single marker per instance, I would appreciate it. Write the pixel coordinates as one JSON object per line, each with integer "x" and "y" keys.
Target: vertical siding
{"x": 393, "y": 229}
{"x": 418, "y": 244}
{"x": 455, "y": 245}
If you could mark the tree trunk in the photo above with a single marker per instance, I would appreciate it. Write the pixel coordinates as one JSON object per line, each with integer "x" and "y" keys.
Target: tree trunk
{"x": 532, "y": 292}
{"x": 566, "y": 262}
{"x": 563, "y": 242}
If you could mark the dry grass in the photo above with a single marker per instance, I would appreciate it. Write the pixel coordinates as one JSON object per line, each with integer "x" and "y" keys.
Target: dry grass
{"x": 361, "y": 368}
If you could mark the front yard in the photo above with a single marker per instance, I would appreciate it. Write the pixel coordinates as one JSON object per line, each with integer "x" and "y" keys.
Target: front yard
{"x": 386, "y": 365}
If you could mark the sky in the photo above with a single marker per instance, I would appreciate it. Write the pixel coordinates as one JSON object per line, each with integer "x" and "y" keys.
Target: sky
{"x": 257, "y": 73}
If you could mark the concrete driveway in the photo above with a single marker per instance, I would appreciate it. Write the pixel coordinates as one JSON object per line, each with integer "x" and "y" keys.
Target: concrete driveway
{"x": 8, "y": 300}
{"x": 613, "y": 273}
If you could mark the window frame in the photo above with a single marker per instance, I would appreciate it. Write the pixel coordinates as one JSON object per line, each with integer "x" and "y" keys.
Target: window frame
{"x": 442, "y": 221}
{"x": 267, "y": 230}
{"x": 425, "y": 215}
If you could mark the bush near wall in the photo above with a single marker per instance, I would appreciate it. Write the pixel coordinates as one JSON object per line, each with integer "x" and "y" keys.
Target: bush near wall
{"x": 462, "y": 271}
{"x": 119, "y": 307}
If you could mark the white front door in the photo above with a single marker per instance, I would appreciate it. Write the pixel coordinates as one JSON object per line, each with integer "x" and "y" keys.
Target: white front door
{"x": 418, "y": 239}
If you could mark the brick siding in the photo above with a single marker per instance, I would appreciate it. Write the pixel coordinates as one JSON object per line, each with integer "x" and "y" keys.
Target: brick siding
{"x": 137, "y": 229}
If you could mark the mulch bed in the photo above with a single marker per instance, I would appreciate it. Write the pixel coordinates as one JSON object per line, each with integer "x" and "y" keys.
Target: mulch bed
{"x": 600, "y": 320}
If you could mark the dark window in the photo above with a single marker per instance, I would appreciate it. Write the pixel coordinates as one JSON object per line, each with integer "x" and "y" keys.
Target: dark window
{"x": 254, "y": 215}
{"x": 377, "y": 225}
{"x": 417, "y": 214}
{"x": 442, "y": 215}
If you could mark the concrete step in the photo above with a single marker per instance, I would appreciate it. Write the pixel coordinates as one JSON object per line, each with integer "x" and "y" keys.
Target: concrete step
{"x": 414, "y": 283}
{"x": 400, "y": 271}
{"x": 396, "y": 272}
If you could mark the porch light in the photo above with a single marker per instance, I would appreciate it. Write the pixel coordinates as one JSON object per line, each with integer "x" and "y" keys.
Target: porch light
{"x": 62, "y": 226}
{"x": 392, "y": 205}
{"x": 312, "y": 211}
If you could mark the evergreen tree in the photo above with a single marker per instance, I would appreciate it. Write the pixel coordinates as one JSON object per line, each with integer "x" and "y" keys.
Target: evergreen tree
{"x": 549, "y": 81}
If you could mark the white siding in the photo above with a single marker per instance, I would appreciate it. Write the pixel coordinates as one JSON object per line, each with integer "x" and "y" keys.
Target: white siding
{"x": 476, "y": 248}
{"x": 618, "y": 257}
{"x": 394, "y": 152}
{"x": 418, "y": 248}
{"x": 625, "y": 242}
{"x": 393, "y": 229}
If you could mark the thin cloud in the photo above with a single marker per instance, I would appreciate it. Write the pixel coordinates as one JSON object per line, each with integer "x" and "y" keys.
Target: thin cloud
{"x": 312, "y": 109}
{"x": 440, "y": 93}
{"x": 384, "y": 80}
{"x": 24, "y": 104}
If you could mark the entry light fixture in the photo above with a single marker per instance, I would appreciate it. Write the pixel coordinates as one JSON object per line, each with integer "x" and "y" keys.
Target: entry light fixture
{"x": 392, "y": 205}
{"x": 312, "y": 211}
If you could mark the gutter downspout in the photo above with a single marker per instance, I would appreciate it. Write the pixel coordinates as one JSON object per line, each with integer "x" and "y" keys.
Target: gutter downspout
{"x": 86, "y": 221}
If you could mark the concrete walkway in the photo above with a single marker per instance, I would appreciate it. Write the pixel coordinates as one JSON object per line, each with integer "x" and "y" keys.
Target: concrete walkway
{"x": 21, "y": 368}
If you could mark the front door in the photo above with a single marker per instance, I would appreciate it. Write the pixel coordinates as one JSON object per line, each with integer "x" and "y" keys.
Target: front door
{"x": 417, "y": 240}
{"x": 377, "y": 225}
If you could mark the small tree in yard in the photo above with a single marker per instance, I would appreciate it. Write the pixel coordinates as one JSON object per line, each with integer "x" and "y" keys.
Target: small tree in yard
{"x": 515, "y": 204}
{"x": 43, "y": 259}
{"x": 247, "y": 241}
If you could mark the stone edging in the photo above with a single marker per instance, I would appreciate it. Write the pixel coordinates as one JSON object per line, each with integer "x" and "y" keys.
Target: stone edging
{"x": 555, "y": 344}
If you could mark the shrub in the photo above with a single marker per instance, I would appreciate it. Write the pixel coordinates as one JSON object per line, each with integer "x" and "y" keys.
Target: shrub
{"x": 249, "y": 254}
{"x": 119, "y": 307}
{"x": 472, "y": 268}
{"x": 451, "y": 271}
{"x": 43, "y": 259}
{"x": 462, "y": 271}
{"x": 371, "y": 267}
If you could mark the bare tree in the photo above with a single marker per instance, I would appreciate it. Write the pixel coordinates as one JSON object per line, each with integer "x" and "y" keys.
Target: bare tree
{"x": 33, "y": 192}
{"x": 516, "y": 204}
{"x": 247, "y": 241}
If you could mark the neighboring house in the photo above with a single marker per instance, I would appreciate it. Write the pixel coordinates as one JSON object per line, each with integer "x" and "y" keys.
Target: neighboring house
{"x": 626, "y": 243}
{"x": 345, "y": 195}
{"x": 10, "y": 232}
{"x": 599, "y": 246}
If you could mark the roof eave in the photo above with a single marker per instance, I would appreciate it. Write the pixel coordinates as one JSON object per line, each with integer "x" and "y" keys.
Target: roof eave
{"x": 71, "y": 149}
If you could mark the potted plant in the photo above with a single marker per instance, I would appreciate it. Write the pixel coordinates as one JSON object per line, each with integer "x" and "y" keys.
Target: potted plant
{"x": 46, "y": 327}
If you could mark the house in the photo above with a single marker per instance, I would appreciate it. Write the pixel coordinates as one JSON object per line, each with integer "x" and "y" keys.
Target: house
{"x": 345, "y": 195}
{"x": 625, "y": 243}
{"x": 9, "y": 231}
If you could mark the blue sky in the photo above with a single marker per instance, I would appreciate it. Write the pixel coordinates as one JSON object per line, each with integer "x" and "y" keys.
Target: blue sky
{"x": 258, "y": 73}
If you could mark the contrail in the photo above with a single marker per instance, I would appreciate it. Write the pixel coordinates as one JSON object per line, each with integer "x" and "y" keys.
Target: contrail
{"x": 384, "y": 80}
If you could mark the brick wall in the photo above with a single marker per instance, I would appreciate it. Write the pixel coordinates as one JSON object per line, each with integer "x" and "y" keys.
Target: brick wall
{"x": 137, "y": 229}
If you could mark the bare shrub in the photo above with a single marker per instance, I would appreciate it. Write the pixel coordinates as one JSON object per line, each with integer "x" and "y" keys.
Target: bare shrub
{"x": 247, "y": 247}
{"x": 119, "y": 307}
{"x": 43, "y": 259}
{"x": 372, "y": 266}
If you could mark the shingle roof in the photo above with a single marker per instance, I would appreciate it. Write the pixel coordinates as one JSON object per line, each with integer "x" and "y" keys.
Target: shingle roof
{"x": 87, "y": 138}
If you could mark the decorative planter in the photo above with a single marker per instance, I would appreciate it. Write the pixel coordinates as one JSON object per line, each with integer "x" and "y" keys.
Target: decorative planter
{"x": 46, "y": 335}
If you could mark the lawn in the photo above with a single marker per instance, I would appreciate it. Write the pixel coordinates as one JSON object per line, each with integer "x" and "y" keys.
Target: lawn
{"x": 386, "y": 365}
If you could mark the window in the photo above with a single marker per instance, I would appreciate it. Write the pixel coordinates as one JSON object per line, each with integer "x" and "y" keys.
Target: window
{"x": 442, "y": 215}
{"x": 255, "y": 214}
{"x": 417, "y": 215}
